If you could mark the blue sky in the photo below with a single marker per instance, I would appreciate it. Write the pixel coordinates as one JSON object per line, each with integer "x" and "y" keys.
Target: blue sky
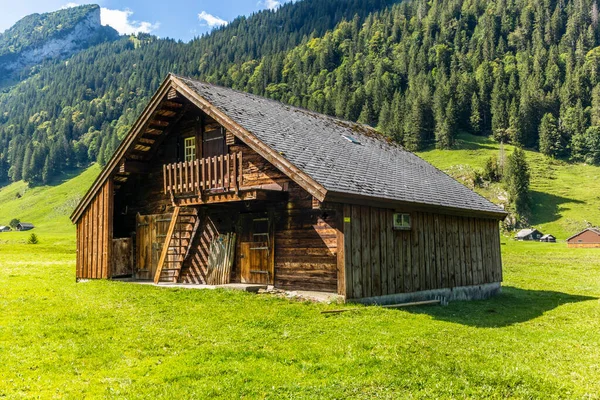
{"x": 179, "y": 19}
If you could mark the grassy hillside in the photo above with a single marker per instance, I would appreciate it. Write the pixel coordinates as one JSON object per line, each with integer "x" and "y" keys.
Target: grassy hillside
{"x": 564, "y": 196}
{"x": 47, "y": 207}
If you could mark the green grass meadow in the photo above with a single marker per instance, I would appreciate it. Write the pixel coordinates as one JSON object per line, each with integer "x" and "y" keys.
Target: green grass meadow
{"x": 539, "y": 339}
{"x": 60, "y": 339}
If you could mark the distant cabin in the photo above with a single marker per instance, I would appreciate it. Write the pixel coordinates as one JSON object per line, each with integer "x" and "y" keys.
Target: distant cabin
{"x": 24, "y": 226}
{"x": 528, "y": 234}
{"x": 589, "y": 237}
{"x": 5, "y": 228}
{"x": 214, "y": 186}
{"x": 548, "y": 238}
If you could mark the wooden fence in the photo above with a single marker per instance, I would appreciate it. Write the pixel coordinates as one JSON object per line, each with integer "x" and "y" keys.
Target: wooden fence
{"x": 219, "y": 172}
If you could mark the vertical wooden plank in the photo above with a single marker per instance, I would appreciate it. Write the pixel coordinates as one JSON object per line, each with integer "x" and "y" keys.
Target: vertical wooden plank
{"x": 186, "y": 181}
{"x": 394, "y": 261}
{"x": 406, "y": 238}
{"x": 84, "y": 244}
{"x": 110, "y": 226}
{"x": 480, "y": 243}
{"x": 106, "y": 241}
{"x": 365, "y": 225}
{"x": 485, "y": 246}
{"x": 165, "y": 178}
{"x": 226, "y": 182}
{"x": 431, "y": 252}
{"x": 86, "y": 252}
{"x": 375, "y": 252}
{"x": 424, "y": 268}
{"x": 474, "y": 251}
{"x": 415, "y": 256}
{"x": 93, "y": 223}
{"x": 98, "y": 237}
{"x": 222, "y": 172}
{"x": 209, "y": 168}
{"x": 101, "y": 226}
{"x": 179, "y": 174}
{"x": 78, "y": 251}
{"x": 234, "y": 171}
{"x": 437, "y": 244}
{"x": 385, "y": 275}
{"x": 357, "y": 247}
{"x": 444, "y": 252}
{"x": 463, "y": 239}
{"x": 456, "y": 270}
{"x": 498, "y": 276}
{"x": 95, "y": 238}
{"x": 470, "y": 252}
{"x": 347, "y": 232}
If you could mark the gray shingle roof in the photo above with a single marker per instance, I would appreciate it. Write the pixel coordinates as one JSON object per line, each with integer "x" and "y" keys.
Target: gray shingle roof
{"x": 525, "y": 232}
{"x": 319, "y": 145}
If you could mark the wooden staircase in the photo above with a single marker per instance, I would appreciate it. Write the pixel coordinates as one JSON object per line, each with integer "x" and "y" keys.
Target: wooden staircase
{"x": 178, "y": 242}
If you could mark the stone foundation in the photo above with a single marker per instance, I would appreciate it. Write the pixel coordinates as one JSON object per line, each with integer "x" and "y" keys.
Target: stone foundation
{"x": 475, "y": 292}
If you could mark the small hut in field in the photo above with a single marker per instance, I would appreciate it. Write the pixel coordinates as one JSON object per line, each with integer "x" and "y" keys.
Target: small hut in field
{"x": 24, "y": 226}
{"x": 528, "y": 234}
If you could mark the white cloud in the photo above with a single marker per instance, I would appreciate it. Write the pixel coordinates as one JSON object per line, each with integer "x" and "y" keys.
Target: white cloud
{"x": 270, "y": 4}
{"x": 120, "y": 20}
{"x": 210, "y": 20}
{"x": 69, "y": 5}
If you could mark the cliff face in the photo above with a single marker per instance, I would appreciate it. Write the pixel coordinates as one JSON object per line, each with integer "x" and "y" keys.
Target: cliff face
{"x": 85, "y": 33}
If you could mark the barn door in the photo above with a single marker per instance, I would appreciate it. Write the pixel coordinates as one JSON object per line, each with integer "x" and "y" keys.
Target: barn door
{"x": 257, "y": 249}
{"x": 151, "y": 231}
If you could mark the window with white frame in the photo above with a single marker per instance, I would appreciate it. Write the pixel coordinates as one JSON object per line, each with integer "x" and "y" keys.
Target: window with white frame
{"x": 401, "y": 221}
{"x": 189, "y": 148}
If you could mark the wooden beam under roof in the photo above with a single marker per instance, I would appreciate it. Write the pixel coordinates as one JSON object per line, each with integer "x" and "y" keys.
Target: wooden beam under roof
{"x": 133, "y": 167}
{"x": 171, "y": 104}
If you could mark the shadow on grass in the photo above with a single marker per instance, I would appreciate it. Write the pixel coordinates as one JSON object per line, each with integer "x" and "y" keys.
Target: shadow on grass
{"x": 547, "y": 207}
{"x": 512, "y": 306}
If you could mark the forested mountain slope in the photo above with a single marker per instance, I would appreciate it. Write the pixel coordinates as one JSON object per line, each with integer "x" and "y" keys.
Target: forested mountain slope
{"x": 421, "y": 71}
{"x": 37, "y": 37}
{"x": 71, "y": 113}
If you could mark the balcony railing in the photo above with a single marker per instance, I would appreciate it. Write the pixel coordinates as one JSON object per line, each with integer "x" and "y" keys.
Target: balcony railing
{"x": 219, "y": 173}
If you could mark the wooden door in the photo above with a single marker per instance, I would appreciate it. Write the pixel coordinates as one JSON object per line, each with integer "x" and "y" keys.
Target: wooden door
{"x": 257, "y": 261}
{"x": 151, "y": 232}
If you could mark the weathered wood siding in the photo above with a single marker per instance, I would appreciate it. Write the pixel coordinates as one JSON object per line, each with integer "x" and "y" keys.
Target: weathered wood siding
{"x": 439, "y": 251}
{"x": 94, "y": 236}
{"x": 305, "y": 244}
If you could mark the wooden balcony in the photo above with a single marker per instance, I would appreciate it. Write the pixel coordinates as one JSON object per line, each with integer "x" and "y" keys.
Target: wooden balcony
{"x": 208, "y": 180}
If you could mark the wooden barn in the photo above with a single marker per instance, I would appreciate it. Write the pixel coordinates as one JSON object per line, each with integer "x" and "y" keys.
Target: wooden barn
{"x": 529, "y": 234}
{"x": 589, "y": 238}
{"x": 215, "y": 186}
{"x": 24, "y": 226}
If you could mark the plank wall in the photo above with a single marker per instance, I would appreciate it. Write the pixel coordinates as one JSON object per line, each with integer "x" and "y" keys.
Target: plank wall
{"x": 94, "y": 236}
{"x": 439, "y": 251}
{"x": 305, "y": 244}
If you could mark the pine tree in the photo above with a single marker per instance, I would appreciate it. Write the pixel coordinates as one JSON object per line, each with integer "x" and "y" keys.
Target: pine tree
{"x": 46, "y": 172}
{"x": 593, "y": 145}
{"x": 551, "y": 143}
{"x": 516, "y": 179}
{"x": 475, "y": 119}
